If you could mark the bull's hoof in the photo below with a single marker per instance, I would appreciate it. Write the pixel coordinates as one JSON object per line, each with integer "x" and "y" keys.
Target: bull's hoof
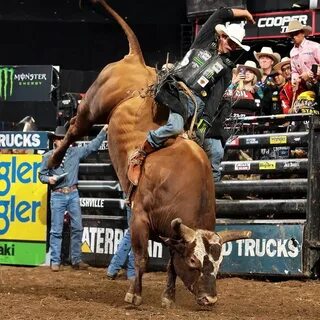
{"x": 207, "y": 301}
{"x": 166, "y": 303}
{"x": 133, "y": 299}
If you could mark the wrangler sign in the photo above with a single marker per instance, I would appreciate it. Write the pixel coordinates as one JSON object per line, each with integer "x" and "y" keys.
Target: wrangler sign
{"x": 23, "y": 211}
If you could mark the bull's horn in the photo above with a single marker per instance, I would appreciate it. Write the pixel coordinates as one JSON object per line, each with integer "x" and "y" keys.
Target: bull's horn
{"x": 230, "y": 235}
{"x": 182, "y": 230}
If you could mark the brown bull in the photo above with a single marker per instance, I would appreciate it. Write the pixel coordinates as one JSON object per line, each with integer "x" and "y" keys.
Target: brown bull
{"x": 175, "y": 185}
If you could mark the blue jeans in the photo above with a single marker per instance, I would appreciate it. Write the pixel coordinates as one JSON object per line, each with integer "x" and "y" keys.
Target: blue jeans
{"x": 123, "y": 254}
{"x": 174, "y": 125}
{"x": 215, "y": 153}
{"x": 60, "y": 203}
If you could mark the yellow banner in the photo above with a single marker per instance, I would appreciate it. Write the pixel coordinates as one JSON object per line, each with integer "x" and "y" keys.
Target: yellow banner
{"x": 278, "y": 140}
{"x": 23, "y": 198}
{"x": 267, "y": 165}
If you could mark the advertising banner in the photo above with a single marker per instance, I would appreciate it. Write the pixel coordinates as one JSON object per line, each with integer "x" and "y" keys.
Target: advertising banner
{"x": 24, "y": 140}
{"x": 101, "y": 238}
{"x": 25, "y": 83}
{"x": 272, "y": 24}
{"x": 275, "y": 249}
{"x": 23, "y": 210}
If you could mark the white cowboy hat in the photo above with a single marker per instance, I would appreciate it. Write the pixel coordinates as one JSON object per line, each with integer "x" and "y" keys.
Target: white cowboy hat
{"x": 267, "y": 51}
{"x": 284, "y": 61}
{"x": 235, "y": 32}
{"x": 252, "y": 66}
{"x": 295, "y": 25}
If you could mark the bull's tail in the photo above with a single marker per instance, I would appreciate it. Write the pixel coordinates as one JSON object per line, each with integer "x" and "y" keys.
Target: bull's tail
{"x": 134, "y": 46}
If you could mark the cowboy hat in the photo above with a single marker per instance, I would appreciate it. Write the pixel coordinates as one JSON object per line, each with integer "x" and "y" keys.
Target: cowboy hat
{"x": 235, "y": 32}
{"x": 252, "y": 66}
{"x": 284, "y": 61}
{"x": 295, "y": 25}
{"x": 59, "y": 133}
{"x": 267, "y": 51}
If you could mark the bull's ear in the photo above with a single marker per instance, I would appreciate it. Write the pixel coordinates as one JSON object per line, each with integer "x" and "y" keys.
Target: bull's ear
{"x": 174, "y": 244}
{"x": 231, "y": 235}
{"x": 169, "y": 241}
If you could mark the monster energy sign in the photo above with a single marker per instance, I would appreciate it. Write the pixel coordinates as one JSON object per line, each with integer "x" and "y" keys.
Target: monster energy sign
{"x": 25, "y": 83}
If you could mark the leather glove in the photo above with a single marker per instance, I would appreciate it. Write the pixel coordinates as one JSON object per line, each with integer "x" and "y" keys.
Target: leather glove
{"x": 202, "y": 129}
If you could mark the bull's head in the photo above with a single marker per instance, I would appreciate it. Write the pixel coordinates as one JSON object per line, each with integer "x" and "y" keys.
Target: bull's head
{"x": 196, "y": 256}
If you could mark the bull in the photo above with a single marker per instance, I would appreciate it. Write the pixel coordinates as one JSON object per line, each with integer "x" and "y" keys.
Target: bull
{"x": 174, "y": 201}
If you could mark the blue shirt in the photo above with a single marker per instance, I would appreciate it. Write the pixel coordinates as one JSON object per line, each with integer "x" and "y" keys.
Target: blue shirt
{"x": 70, "y": 163}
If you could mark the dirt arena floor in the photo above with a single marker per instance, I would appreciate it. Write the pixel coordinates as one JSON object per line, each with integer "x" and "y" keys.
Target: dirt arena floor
{"x": 38, "y": 293}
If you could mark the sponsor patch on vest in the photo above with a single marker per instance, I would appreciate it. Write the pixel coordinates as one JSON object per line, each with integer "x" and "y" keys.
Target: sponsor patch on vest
{"x": 202, "y": 81}
{"x": 217, "y": 67}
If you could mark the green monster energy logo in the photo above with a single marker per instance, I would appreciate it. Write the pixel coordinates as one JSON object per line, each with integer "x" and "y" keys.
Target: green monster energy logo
{"x": 6, "y": 82}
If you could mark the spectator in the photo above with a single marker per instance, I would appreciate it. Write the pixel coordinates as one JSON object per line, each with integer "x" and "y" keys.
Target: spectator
{"x": 281, "y": 152}
{"x": 243, "y": 90}
{"x": 287, "y": 93}
{"x": 304, "y": 53}
{"x": 245, "y": 101}
{"x": 305, "y": 103}
{"x": 63, "y": 182}
{"x": 267, "y": 59}
{"x": 123, "y": 255}
{"x": 277, "y": 84}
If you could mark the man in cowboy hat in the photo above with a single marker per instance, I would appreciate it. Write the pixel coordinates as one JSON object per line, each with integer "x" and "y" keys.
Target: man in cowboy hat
{"x": 304, "y": 53}
{"x": 266, "y": 59}
{"x": 63, "y": 182}
{"x": 287, "y": 94}
{"x": 214, "y": 113}
{"x": 202, "y": 76}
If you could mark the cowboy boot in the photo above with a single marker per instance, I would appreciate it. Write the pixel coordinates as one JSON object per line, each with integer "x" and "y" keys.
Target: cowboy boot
{"x": 136, "y": 160}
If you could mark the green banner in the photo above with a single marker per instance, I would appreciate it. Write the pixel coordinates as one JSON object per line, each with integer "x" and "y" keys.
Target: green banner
{"x": 22, "y": 253}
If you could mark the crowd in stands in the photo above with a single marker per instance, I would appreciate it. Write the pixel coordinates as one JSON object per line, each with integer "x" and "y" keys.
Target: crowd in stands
{"x": 273, "y": 85}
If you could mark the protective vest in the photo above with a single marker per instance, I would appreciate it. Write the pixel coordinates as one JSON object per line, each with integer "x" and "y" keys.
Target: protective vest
{"x": 200, "y": 69}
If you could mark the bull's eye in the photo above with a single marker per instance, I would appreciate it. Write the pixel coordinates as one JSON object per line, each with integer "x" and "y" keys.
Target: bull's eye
{"x": 194, "y": 263}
